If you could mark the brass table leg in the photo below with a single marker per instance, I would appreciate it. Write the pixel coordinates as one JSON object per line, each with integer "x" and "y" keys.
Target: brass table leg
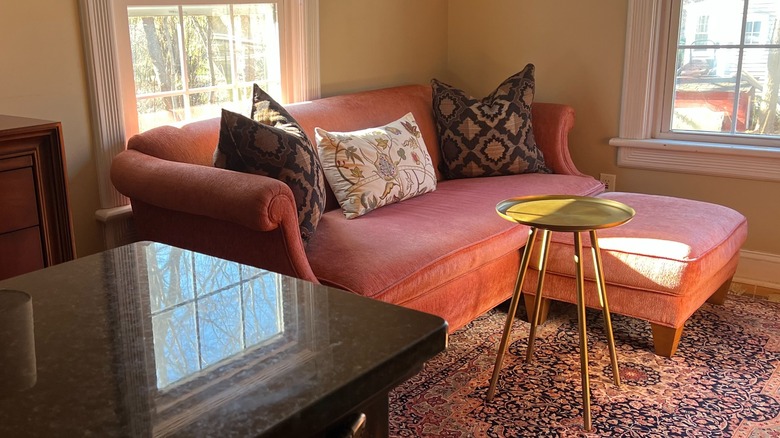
{"x": 583, "y": 333}
{"x": 581, "y": 313}
{"x": 529, "y": 354}
{"x": 602, "y": 289}
{"x": 529, "y": 246}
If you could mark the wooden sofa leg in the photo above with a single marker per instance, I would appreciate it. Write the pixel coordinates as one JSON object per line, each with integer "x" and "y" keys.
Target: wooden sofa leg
{"x": 529, "y": 307}
{"x": 719, "y": 297}
{"x": 666, "y": 339}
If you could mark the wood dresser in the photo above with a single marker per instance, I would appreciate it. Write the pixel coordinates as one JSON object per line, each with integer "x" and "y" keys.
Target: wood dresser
{"x": 35, "y": 224}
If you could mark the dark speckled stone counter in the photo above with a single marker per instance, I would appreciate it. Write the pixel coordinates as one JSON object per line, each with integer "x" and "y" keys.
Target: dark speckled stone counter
{"x": 150, "y": 340}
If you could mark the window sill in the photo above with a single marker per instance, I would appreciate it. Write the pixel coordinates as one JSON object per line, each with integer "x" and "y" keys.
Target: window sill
{"x": 727, "y": 160}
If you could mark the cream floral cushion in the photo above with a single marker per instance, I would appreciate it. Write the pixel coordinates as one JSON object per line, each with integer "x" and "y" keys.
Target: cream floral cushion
{"x": 377, "y": 166}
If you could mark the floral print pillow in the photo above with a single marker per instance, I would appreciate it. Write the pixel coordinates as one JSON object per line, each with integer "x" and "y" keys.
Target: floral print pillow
{"x": 370, "y": 168}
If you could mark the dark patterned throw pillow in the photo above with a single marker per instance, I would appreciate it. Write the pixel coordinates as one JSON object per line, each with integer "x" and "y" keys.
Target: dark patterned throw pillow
{"x": 491, "y": 136}
{"x": 272, "y": 144}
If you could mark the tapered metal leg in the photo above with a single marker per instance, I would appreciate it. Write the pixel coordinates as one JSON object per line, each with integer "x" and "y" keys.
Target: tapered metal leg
{"x": 602, "y": 289}
{"x": 529, "y": 354}
{"x": 583, "y": 333}
{"x": 529, "y": 246}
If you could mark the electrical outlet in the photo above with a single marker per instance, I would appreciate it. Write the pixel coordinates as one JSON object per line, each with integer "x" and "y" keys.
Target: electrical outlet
{"x": 608, "y": 180}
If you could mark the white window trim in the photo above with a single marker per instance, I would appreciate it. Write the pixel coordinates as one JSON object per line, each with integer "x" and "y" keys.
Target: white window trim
{"x": 646, "y": 34}
{"x": 109, "y": 131}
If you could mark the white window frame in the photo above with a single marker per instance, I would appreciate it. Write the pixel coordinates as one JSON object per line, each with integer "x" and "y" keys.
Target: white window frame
{"x": 647, "y": 32}
{"x": 295, "y": 81}
{"x": 299, "y": 27}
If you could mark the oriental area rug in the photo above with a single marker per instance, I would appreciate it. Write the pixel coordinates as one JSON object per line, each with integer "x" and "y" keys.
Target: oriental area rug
{"x": 724, "y": 380}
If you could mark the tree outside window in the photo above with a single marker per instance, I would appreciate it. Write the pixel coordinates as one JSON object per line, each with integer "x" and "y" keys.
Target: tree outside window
{"x": 190, "y": 61}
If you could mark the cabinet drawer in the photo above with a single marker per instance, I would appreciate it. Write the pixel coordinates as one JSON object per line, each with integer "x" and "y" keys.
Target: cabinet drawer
{"x": 21, "y": 252}
{"x": 18, "y": 200}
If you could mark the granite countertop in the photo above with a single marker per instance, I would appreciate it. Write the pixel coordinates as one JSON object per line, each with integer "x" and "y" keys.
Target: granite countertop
{"x": 152, "y": 340}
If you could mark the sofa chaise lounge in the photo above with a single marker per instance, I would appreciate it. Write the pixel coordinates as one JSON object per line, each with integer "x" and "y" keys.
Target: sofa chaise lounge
{"x": 446, "y": 252}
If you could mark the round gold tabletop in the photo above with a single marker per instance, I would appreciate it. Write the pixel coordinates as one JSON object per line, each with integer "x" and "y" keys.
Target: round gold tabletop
{"x": 565, "y": 212}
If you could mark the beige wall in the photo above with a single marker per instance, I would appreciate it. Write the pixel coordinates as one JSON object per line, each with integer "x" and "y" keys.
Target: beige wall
{"x": 368, "y": 44}
{"x": 42, "y": 76}
{"x": 365, "y": 44}
{"x": 578, "y": 50}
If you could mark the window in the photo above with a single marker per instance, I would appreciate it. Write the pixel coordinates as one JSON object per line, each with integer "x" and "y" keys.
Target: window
{"x": 238, "y": 33}
{"x": 721, "y": 82}
{"x": 189, "y": 61}
{"x": 700, "y": 91}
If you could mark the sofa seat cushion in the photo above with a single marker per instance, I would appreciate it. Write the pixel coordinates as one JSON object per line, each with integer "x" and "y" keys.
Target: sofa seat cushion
{"x": 400, "y": 251}
{"x": 669, "y": 245}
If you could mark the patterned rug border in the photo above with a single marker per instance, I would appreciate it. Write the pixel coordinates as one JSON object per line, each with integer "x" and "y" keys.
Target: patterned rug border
{"x": 723, "y": 381}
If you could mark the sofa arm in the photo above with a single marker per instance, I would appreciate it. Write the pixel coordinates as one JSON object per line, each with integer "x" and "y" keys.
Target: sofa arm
{"x": 259, "y": 208}
{"x": 552, "y": 123}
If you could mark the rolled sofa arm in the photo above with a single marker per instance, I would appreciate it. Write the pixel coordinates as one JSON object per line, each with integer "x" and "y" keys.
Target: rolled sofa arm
{"x": 246, "y": 218}
{"x": 552, "y": 123}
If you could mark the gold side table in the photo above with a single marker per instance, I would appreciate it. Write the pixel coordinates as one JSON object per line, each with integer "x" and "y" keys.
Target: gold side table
{"x": 576, "y": 214}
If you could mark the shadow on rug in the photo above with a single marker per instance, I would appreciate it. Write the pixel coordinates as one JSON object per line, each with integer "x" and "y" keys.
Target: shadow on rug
{"x": 724, "y": 379}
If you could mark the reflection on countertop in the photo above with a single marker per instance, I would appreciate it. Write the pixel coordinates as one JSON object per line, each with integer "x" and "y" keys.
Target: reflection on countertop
{"x": 153, "y": 340}
{"x": 18, "y": 371}
{"x": 219, "y": 331}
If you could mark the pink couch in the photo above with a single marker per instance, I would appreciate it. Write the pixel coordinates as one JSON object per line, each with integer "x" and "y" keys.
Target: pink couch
{"x": 446, "y": 252}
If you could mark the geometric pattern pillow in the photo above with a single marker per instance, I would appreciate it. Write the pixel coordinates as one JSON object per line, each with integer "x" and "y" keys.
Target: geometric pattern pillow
{"x": 373, "y": 167}
{"x": 274, "y": 145}
{"x": 491, "y": 136}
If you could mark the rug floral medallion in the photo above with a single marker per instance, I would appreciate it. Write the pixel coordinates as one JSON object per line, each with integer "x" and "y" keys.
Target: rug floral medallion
{"x": 724, "y": 380}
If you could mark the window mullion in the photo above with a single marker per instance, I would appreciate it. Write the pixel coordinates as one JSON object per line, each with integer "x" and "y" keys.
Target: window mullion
{"x": 295, "y": 48}
{"x": 233, "y": 54}
{"x": 184, "y": 68}
{"x": 737, "y": 92}
{"x": 243, "y": 288}
{"x": 669, "y": 31}
{"x": 740, "y": 59}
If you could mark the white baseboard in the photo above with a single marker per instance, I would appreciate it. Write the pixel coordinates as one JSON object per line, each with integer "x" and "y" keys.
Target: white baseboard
{"x": 758, "y": 268}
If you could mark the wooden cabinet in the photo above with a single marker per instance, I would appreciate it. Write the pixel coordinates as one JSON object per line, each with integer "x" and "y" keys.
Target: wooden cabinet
{"x": 35, "y": 225}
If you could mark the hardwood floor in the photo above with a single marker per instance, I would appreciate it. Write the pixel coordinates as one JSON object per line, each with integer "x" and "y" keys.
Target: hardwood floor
{"x": 752, "y": 290}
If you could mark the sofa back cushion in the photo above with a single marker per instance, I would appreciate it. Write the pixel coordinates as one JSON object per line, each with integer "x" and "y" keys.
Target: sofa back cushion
{"x": 195, "y": 142}
{"x": 366, "y": 109}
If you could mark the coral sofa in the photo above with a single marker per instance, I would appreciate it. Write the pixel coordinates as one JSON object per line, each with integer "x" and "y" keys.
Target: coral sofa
{"x": 446, "y": 252}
